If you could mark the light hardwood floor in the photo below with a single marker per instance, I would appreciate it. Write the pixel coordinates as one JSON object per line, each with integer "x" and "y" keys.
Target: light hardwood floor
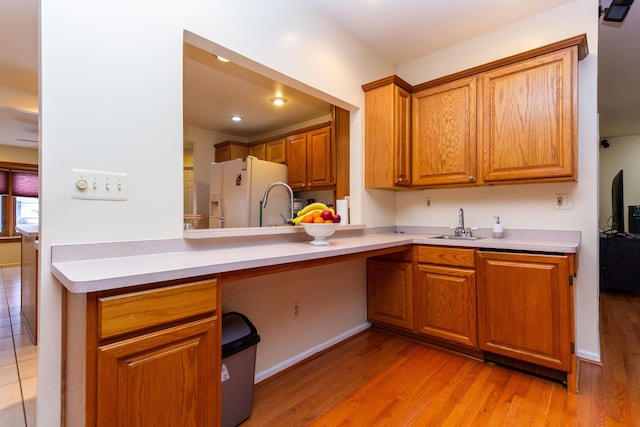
{"x": 377, "y": 379}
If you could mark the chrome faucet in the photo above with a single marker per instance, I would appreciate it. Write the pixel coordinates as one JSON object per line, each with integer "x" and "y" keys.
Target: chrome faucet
{"x": 461, "y": 230}
{"x": 461, "y": 220}
{"x": 266, "y": 195}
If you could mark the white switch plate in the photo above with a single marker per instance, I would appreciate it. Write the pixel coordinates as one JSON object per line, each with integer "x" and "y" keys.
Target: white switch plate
{"x": 562, "y": 201}
{"x": 99, "y": 185}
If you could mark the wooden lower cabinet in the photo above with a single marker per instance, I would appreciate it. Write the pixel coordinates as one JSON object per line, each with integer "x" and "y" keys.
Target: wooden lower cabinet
{"x": 162, "y": 378}
{"x": 390, "y": 293}
{"x": 152, "y": 357}
{"x": 525, "y": 308}
{"x": 510, "y": 308}
{"x": 445, "y": 289}
{"x": 446, "y": 303}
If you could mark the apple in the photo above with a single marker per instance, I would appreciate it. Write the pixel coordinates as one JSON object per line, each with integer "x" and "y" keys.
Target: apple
{"x": 335, "y": 218}
{"x": 326, "y": 215}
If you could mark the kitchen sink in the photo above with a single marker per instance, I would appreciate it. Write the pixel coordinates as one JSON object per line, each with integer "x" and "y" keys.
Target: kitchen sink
{"x": 454, "y": 237}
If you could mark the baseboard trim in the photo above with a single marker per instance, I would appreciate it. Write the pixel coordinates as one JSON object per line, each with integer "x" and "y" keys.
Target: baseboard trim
{"x": 587, "y": 355}
{"x": 298, "y": 358}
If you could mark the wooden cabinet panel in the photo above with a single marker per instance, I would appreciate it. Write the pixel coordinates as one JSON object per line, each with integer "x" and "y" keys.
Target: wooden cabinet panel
{"x": 390, "y": 293}
{"x": 164, "y": 378}
{"x": 121, "y": 314}
{"x": 230, "y": 150}
{"x": 259, "y": 151}
{"x": 311, "y": 159}
{"x": 276, "y": 151}
{"x": 444, "y": 134}
{"x": 297, "y": 161}
{"x": 525, "y": 308}
{"x": 387, "y": 135}
{"x": 446, "y": 301}
{"x": 530, "y": 119}
{"x": 319, "y": 158}
{"x": 456, "y": 257}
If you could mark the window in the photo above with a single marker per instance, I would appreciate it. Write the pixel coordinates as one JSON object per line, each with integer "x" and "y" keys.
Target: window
{"x": 18, "y": 197}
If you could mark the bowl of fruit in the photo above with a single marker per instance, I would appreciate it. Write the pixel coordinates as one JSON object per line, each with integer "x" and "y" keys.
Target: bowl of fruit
{"x": 319, "y": 222}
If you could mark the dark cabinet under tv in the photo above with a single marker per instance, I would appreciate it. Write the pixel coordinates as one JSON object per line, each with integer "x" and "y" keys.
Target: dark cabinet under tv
{"x": 619, "y": 263}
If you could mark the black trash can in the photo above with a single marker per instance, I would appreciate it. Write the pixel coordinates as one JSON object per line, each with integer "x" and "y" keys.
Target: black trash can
{"x": 239, "y": 340}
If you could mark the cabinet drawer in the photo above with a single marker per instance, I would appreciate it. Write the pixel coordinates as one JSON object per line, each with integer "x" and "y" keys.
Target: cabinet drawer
{"x": 444, "y": 255}
{"x": 136, "y": 311}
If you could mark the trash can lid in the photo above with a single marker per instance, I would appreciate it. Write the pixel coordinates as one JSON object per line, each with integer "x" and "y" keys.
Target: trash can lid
{"x": 238, "y": 333}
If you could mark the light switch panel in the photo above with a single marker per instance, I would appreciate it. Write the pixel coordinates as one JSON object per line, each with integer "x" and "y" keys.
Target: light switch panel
{"x": 99, "y": 185}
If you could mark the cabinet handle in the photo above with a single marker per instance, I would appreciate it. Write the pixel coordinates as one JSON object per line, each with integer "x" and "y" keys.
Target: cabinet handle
{"x": 471, "y": 178}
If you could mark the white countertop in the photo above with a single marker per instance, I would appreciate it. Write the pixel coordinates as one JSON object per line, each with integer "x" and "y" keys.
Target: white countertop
{"x": 28, "y": 229}
{"x": 88, "y": 268}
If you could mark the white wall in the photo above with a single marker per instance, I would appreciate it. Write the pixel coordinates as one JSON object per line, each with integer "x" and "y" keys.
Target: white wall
{"x": 528, "y": 206}
{"x": 111, "y": 99}
{"x": 325, "y": 296}
{"x": 623, "y": 153}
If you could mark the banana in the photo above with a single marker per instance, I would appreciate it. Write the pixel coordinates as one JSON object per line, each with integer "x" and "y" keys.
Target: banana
{"x": 311, "y": 207}
{"x": 297, "y": 220}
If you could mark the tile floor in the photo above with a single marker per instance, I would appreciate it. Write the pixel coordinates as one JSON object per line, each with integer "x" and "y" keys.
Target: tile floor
{"x": 18, "y": 357}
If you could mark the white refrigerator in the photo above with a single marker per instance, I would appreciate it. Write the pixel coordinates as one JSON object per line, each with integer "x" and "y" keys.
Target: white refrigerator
{"x": 237, "y": 188}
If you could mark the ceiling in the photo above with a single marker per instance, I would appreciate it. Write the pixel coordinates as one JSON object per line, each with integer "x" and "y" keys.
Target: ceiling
{"x": 214, "y": 90}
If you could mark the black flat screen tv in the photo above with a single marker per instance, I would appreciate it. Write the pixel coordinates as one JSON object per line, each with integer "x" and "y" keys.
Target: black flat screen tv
{"x": 617, "y": 204}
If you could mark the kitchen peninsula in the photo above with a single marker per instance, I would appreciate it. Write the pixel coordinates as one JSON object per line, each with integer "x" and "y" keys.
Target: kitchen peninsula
{"x": 150, "y": 305}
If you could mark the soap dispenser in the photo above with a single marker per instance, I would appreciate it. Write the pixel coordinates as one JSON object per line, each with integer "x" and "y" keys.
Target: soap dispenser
{"x": 498, "y": 230}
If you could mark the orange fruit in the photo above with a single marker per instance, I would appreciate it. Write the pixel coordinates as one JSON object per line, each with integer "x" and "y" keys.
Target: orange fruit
{"x": 315, "y": 214}
{"x": 318, "y": 220}
{"x": 307, "y": 219}
{"x": 328, "y": 221}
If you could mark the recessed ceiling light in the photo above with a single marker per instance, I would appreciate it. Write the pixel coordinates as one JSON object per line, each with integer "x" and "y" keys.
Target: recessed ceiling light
{"x": 222, "y": 59}
{"x": 236, "y": 118}
{"x": 279, "y": 100}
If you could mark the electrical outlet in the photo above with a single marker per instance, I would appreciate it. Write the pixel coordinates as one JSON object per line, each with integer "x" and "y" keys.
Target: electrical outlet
{"x": 562, "y": 201}
{"x": 296, "y": 309}
{"x": 98, "y": 185}
{"x": 428, "y": 202}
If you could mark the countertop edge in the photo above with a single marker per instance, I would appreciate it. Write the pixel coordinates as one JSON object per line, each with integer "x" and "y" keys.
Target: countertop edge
{"x": 96, "y": 274}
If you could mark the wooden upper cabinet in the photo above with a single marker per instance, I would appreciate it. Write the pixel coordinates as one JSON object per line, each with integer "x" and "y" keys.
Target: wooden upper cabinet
{"x": 297, "y": 161}
{"x": 275, "y": 151}
{"x": 311, "y": 159}
{"x": 444, "y": 134}
{"x": 387, "y": 133}
{"x": 259, "y": 151}
{"x": 530, "y": 119}
{"x": 511, "y": 121}
{"x": 230, "y": 150}
{"x": 319, "y": 157}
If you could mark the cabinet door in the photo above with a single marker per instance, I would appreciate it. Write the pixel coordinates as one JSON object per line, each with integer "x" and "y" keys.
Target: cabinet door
{"x": 276, "y": 151}
{"x": 320, "y": 158}
{"x": 170, "y": 377}
{"x": 446, "y": 304}
{"x": 297, "y": 161}
{"x": 259, "y": 151}
{"x": 222, "y": 153}
{"x": 530, "y": 119}
{"x": 387, "y": 137}
{"x": 389, "y": 293}
{"x": 444, "y": 134}
{"x": 525, "y": 308}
